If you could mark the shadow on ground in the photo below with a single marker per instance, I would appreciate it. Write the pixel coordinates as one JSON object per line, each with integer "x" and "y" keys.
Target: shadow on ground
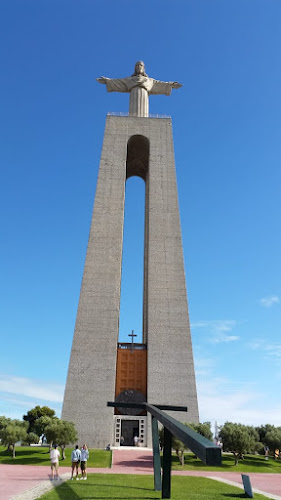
{"x": 66, "y": 492}
{"x": 144, "y": 464}
{"x": 234, "y": 495}
{"x": 22, "y": 457}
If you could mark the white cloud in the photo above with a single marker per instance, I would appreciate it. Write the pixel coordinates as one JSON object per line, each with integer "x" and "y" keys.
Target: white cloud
{"x": 225, "y": 338}
{"x": 16, "y": 407}
{"x": 32, "y": 388}
{"x": 203, "y": 365}
{"x": 256, "y": 344}
{"x": 219, "y": 401}
{"x": 242, "y": 397}
{"x": 218, "y": 329}
{"x": 269, "y": 301}
{"x": 222, "y": 325}
{"x": 272, "y": 350}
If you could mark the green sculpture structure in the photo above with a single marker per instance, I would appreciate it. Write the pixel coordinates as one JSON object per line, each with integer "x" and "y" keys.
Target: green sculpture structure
{"x": 204, "y": 449}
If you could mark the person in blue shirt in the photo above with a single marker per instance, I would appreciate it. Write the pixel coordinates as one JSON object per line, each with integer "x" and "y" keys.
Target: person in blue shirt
{"x": 75, "y": 461}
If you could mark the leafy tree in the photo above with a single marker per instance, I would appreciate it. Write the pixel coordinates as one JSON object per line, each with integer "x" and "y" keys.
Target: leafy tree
{"x": 202, "y": 428}
{"x": 32, "y": 438}
{"x": 13, "y": 432}
{"x": 253, "y": 433}
{"x": 4, "y": 421}
{"x": 41, "y": 423}
{"x": 35, "y": 413}
{"x": 238, "y": 439}
{"x": 263, "y": 430}
{"x": 177, "y": 445}
{"x": 62, "y": 433}
{"x": 179, "y": 448}
{"x": 259, "y": 448}
{"x": 273, "y": 439}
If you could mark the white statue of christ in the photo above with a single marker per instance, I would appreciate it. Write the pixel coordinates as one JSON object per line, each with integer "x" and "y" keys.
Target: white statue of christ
{"x": 140, "y": 86}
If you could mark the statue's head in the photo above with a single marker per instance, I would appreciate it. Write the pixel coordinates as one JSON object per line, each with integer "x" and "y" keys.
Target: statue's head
{"x": 139, "y": 69}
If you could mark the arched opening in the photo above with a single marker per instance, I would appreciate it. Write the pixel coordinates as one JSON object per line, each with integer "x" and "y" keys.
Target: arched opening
{"x": 131, "y": 370}
{"x": 137, "y": 156}
{"x": 131, "y": 302}
{"x": 133, "y": 287}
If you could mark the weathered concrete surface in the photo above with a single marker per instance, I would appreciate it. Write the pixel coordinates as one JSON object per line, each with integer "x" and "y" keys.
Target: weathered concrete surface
{"x": 92, "y": 368}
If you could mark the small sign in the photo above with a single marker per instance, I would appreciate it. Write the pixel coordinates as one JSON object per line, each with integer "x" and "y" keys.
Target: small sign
{"x": 247, "y": 486}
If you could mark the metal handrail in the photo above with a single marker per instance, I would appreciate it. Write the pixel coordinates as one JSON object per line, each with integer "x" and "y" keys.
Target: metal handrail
{"x": 120, "y": 113}
{"x": 128, "y": 345}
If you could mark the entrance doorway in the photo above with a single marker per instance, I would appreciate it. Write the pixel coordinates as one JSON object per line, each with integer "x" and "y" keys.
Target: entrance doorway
{"x": 129, "y": 429}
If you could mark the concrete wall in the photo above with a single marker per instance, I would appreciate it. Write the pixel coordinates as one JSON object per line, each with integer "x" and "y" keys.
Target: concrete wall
{"x": 92, "y": 368}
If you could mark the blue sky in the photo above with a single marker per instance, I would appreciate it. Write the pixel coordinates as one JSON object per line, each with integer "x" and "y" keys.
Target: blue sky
{"x": 226, "y": 121}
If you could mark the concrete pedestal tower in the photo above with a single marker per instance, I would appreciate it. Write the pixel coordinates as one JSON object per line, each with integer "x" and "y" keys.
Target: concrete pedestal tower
{"x": 142, "y": 145}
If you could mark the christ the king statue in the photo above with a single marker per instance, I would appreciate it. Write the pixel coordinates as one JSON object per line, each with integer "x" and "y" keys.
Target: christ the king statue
{"x": 140, "y": 86}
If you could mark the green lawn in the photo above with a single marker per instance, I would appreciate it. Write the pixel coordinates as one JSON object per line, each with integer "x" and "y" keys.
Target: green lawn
{"x": 30, "y": 455}
{"x": 251, "y": 463}
{"x": 119, "y": 487}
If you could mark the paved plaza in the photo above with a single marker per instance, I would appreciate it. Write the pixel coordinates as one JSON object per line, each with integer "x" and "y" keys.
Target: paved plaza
{"x": 28, "y": 482}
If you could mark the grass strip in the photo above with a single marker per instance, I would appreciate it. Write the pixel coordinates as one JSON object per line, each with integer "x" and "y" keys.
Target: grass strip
{"x": 136, "y": 487}
{"x": 251, "y": 463}
{"x": 31, "y": 455}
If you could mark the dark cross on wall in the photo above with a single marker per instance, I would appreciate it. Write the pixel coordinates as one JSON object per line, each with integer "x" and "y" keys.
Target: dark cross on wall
{"x": 132, "y": 335}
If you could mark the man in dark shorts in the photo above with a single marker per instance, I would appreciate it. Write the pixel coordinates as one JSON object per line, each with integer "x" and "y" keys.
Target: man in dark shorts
{"x": 75, "y": 461}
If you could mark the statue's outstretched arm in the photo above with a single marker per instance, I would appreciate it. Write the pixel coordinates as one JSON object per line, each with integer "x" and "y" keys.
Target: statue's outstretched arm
{"x": 102, "y": 79}
{"x": 165, "y": 88}
{"x": 115, "y": 84}
{"x": 176, "y": 85}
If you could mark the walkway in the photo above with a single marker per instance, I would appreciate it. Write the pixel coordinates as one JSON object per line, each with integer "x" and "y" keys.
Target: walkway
{"x": 139, "y": 461}
{"x": 27, "y": 482}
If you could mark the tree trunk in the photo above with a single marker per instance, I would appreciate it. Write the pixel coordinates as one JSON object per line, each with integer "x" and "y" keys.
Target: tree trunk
{"x": 14, "y": 451}
{"x": 236, "y": 457}
{"x": 63, "y": 452}
{"x": 182, "y": 458}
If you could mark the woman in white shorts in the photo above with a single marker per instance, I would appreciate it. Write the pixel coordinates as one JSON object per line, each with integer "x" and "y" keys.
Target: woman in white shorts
{"x": 55, "y": 455}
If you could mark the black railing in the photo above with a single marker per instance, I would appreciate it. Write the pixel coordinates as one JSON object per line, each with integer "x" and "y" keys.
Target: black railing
{"x": 121, "y": 113}
{"x": 128, "y": 345}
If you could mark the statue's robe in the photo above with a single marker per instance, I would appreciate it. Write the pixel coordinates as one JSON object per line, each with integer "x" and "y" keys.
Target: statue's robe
{"x": 139, "y": 87}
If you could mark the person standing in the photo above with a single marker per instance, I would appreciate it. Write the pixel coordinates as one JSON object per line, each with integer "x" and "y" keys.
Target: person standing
{"x": 75, "y": 461}
{"x": 55, "y": 455}
{"x": 84, "y": 458}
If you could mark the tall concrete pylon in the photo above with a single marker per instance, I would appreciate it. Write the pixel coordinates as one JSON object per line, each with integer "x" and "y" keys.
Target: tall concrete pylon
{"x": 142, "y": 146}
